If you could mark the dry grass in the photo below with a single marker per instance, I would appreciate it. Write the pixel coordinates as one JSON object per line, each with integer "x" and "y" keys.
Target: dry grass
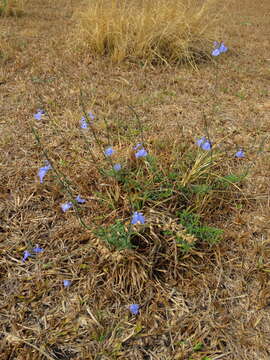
{"x": 217, "y": 296}
{"x": 11, "y": 7}
{"x": 143, "y": 30}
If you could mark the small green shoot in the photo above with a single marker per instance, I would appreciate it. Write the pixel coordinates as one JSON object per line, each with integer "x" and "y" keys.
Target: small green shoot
{"x": 116, "y": 235}
{"x": 231, "y": 179}
{"x": 198, "y": 346}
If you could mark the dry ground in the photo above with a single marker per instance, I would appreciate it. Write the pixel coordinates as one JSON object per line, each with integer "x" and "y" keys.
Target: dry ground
{"x": 221, "y": 300}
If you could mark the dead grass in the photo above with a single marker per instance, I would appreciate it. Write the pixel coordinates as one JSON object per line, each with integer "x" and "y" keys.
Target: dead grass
{"x": 219, "y": 296}
{"x": 164, "y": 31}
{"x": 11, "y": 7}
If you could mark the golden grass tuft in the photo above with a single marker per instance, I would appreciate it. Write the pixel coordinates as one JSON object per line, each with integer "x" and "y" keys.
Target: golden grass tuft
{"x": 11, "y": 7}
{"x": 162, "y": 31}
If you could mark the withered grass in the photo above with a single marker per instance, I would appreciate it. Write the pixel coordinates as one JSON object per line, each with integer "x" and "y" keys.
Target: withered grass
{"x": 163, "y": 31}
{"x": 218, "y": 296}
{"x": 11, "y": 7}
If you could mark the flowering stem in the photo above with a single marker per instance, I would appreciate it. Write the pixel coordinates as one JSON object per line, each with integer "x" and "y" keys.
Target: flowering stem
{"x": 62, "y": 179}
{"x": 93, "y": 129}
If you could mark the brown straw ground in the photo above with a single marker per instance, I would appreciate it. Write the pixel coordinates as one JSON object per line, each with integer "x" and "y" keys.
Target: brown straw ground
{"x": 211, "y": 304}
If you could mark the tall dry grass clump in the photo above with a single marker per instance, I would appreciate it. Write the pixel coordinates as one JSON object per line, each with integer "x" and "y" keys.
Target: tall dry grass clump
{"x": 11, "y": 7}
{"x": 154, "y": 31}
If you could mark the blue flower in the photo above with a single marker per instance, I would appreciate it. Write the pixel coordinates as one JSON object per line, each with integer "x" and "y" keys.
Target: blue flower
{"x": 38, "y": 249}
{"x": 80, "y": 200}
{"x": 66, "y": 283}
{"x": 141, "y": 153}
{"x": 222, "y": 48}
{"x": 26, "y": 255}
{"x": 134, "y": 309}
{"x": 216, "y": 52}
{"x": 137, "y": 146}
{"x": 240, "y": 154}
{"x": 199, "y": 142}
{"x": 85, "y": 122}
{"x": 137, "y": 217}
{"x": 109, "y": 151}
{"x": 66, "y": 206}
{"x": 39, "y": 114}
{"x": 219, "y": 49}
{"x": 91, "y": 115}
{"x": 43, "y": 170}
{"x": 204, "y": 143}
{"x": 117, "y": 167}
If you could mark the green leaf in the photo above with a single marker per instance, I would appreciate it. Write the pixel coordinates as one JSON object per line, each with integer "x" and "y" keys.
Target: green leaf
{"x": 198, "y": 346}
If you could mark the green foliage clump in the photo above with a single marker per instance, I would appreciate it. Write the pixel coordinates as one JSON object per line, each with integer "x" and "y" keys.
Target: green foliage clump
{"x": 192, "y": 224}
{"x": 115, "y": 235}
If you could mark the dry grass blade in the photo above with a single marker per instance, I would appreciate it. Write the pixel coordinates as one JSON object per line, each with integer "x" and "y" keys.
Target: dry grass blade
{"x": 11, "y": 338}
{"x": 202, "y": 165}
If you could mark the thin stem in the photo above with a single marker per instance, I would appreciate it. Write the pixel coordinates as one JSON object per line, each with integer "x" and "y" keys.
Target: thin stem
{"x": 59, "y": 176}
{"x": 139, "y": 123}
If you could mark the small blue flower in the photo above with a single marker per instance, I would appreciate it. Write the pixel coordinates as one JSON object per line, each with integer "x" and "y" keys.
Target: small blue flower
{"x": 38, "y": 249}
{"x": 66, "y": 206}
{"x": 199, "y": 142}
{"x": 240, "y": 154}
{"x": 141, "y": 153}
{"x": 219, "y": 49}
{"x": 66, "y": 283}
{"x": 85, "y": 122}
{"x": 204, "y": 143}
{"x": 137, "y": 217}
{"x": 80, "y": 200}
{"x": 91, "y": 115}
{"x": 222, "y": 48}
{"x": 26, "y": 255}
{"x": 216, "y": 52}
{"x": 109, "y": 151}
{"x": 137, "y": 146}
{"x": 39, "y": 114}
{"x": 43, "y": 170}
{"x": 134, "y": 309}
{"x": 117, "y": 167}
